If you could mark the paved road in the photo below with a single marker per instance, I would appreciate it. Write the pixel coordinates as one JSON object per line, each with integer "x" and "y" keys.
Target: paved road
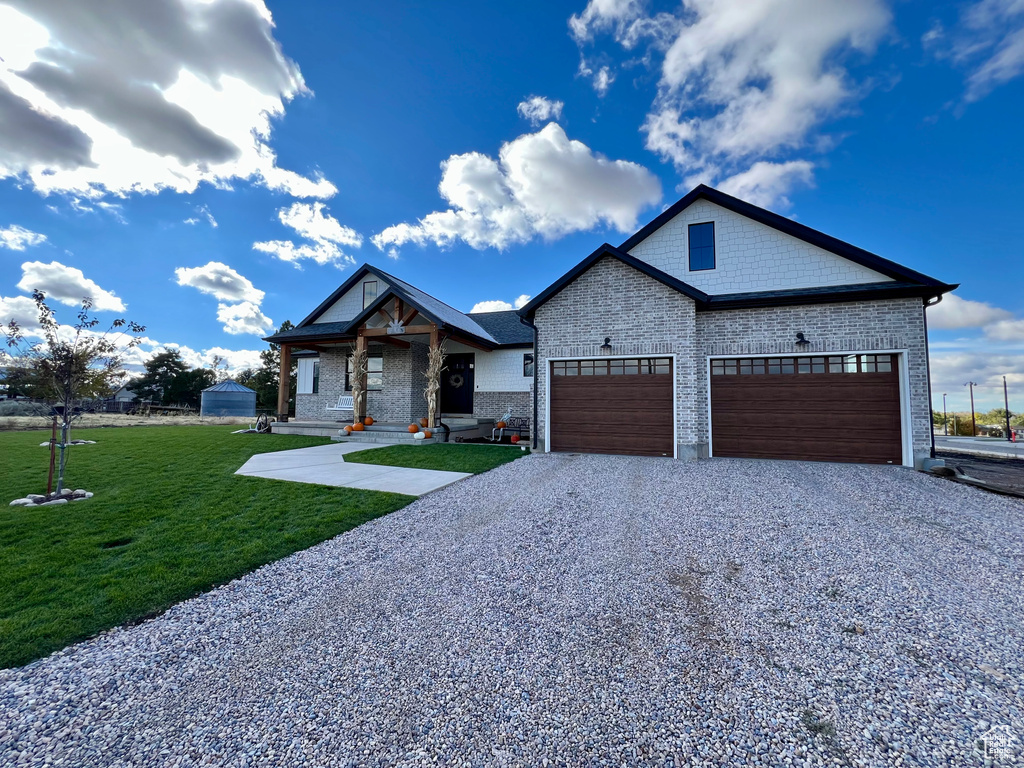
{"x": 980, "y": 445}
{"x": 582, "y": 610}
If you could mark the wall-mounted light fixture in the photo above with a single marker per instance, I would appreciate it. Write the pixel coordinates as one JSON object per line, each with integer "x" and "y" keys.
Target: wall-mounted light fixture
{"x": 606, "y": 348}
{"x": 800, "y": 340}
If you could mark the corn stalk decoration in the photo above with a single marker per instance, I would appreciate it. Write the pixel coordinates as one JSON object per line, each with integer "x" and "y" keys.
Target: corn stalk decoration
{"x": 435, "y": 364}
{"x": 359, "y": 370}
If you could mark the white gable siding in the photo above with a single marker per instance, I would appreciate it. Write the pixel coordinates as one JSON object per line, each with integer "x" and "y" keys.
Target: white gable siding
{"x": 498, "y": 371}
{"x": 350, "y": 304}
{"x": 749, "y": 256}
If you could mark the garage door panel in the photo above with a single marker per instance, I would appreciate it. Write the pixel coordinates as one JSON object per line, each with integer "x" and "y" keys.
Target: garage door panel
{"x": 849, "y": 413}
{"x": 629, "y": 413}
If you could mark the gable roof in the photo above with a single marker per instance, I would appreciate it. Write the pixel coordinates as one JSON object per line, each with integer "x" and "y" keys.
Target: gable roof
{"x": 435, "y": 310}
{"x": 506, "y": 326}
{"x": 617, "y": 253}
{"x": 787, "y": 226}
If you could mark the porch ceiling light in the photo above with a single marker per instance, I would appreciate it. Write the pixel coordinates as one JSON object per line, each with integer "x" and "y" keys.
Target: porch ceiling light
{"x": 800, "y": 340}
{"x": 606, "y": 348}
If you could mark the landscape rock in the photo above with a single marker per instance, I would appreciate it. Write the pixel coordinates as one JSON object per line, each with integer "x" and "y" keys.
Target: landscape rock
{"x": 21, "y": 502}
{"x": 36, "y": 497}
{"x": 569, "y": 610}
{"x": 54, "y": 501}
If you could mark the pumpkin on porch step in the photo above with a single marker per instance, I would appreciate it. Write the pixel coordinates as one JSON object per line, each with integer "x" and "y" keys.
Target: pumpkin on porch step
{"x": 413, "y": 429}
{"x": 500, "y": 425}
{"x": 423, "y": 422}
{"x": 368, "y": 421}
{"x": 357, "y": 427}
{"x": 348, "y": 429}
{"x": 514, "y": 439}
{"x": 427, "y": 434}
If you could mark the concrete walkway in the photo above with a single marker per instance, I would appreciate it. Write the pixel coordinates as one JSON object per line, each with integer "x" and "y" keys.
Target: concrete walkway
{"x": 325, "y": 465}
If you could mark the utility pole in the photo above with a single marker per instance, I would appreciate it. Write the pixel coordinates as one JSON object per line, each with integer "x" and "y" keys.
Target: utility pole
{"x": 1006, "y": 407}
{"x": 945, "y": 423}
{"x": 974, "y": 425}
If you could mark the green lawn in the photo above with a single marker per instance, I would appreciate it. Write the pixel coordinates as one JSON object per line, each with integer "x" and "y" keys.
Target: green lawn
{"x": 454, "y": 457}
{"x": 169, "y": 520}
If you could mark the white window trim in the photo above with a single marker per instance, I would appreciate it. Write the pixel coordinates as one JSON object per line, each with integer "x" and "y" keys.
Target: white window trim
{"x": 906, "y": 424}
{"x": 675, "y": 391}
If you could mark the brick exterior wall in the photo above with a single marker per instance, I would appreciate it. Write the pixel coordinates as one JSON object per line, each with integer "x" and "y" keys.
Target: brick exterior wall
{"x": 491, "y": 405}
{"x": 641, "y": 315}
{"x": 840, "y": 327}
{"x": 749, "y": 256}
{"x": 644, "y": 317}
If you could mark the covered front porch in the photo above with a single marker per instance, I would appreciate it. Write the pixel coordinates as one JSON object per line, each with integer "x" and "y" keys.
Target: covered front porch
{"x": 377, "y": 365}
{"x": 458, "y": 429}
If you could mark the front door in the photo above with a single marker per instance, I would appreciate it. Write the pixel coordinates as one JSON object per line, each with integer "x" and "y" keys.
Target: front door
{"x": 457, "y": 384}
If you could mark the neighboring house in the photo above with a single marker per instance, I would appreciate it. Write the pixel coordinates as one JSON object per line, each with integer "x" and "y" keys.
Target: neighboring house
{"x": 122, "y": 395}
{"x": 719, "y": 329}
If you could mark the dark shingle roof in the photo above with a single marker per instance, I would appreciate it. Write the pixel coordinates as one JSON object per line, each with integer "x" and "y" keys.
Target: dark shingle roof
{"x": 317, "y": 330}
{"x": 505, "y": 327}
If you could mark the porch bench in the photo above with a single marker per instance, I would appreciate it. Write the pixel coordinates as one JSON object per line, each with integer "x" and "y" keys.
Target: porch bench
{"x": 519, "y": 425}
{"x": 344, "y": 404}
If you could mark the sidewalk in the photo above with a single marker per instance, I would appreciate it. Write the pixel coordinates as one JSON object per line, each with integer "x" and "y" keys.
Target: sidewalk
{"x": 981, "y": 446}
{"x": 325, "y": 465}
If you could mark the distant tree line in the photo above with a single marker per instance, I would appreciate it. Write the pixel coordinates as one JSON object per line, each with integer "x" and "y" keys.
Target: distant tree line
{"x": 959, "y": 423}
{"x": 169, "y": 380}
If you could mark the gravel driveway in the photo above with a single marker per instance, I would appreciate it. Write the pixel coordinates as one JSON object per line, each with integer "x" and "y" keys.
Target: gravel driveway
{"x": 585, "y": 610}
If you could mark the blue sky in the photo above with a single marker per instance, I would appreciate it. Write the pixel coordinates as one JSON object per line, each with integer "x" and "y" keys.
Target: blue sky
{"x": 211, "y": 168}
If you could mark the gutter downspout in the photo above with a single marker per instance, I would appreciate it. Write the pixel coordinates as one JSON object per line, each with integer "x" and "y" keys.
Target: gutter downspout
{"x": 536, "y": 378}
{"x": 928, "y": 370}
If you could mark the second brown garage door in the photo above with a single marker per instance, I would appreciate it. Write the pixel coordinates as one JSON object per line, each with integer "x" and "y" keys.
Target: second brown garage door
{"x": 834, "y": 408}
{"x": 612, "y": 406}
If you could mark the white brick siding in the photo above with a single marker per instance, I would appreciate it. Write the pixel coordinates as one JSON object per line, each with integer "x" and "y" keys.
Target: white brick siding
{"x": 892, "y": 324}
{"x": 502, "y": 371}
{"x": 749, "y": 256}
{"x": 644, "y": 317}
{"x": 641, "y": 315}
{"x": 351, "y": 304}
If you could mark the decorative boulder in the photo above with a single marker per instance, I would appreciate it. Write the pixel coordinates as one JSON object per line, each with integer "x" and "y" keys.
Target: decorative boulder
{"x": 55, "y": 501}
{"x": 35, "y": 497}
{"x": 22, "y": 503}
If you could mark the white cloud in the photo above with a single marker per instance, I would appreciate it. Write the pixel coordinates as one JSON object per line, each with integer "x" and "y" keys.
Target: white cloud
{"x": 601, "y": 80}
{"x": 22, "y": 310}
{"x": 951, "y": 371}
{"x": 497, "y": 305}
{"x": 767, "y": 184}
{"x": 67, "y": 285}
{"x": 235, "y": 359}
{"x": 742, "y": 82}
{"x": 539, "y": 109}
{"x": 203, "y": 211}
{"x": 221, "y": 281}
{"x": 313, "y": 223}
{"x": 243, "y": 318}
{"x": 542, "y": 184}
{"x": 1005, "y": 330}
{"x": 18, "y": 238}
{"x": 989, "y": 41}
{"x": 168, "y": 95}
{"x": 954, "y": 312}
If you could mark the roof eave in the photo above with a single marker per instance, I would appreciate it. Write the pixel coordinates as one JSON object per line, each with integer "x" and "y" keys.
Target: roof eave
{"x": 834, "y": 245}
{"x": 824, "y": 296}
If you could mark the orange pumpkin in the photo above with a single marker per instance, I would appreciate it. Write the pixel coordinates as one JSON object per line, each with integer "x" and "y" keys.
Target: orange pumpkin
{"x": 413, "y": 429}
{"x": 427, "y": 434}
{"x": 500, "y": 425}
{"x": 368, "y": 420}
{"x": 357, "y": 427}
{"x": 423, "y": 422}
{"x": 514, "y": 439}
{"x": 348, "y": 429}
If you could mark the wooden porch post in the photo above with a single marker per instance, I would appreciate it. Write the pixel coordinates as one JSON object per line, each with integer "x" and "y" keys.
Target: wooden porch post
{"x": 283, "y": 383}
{"x": 359, "y": 404}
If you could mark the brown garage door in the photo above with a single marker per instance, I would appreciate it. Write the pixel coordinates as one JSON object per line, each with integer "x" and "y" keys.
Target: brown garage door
{"x": 612, "y": 406}
{"x": 834, "y": 408}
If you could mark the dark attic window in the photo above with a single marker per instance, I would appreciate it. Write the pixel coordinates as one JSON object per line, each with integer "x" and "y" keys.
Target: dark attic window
{"x": 702, "y": 246}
